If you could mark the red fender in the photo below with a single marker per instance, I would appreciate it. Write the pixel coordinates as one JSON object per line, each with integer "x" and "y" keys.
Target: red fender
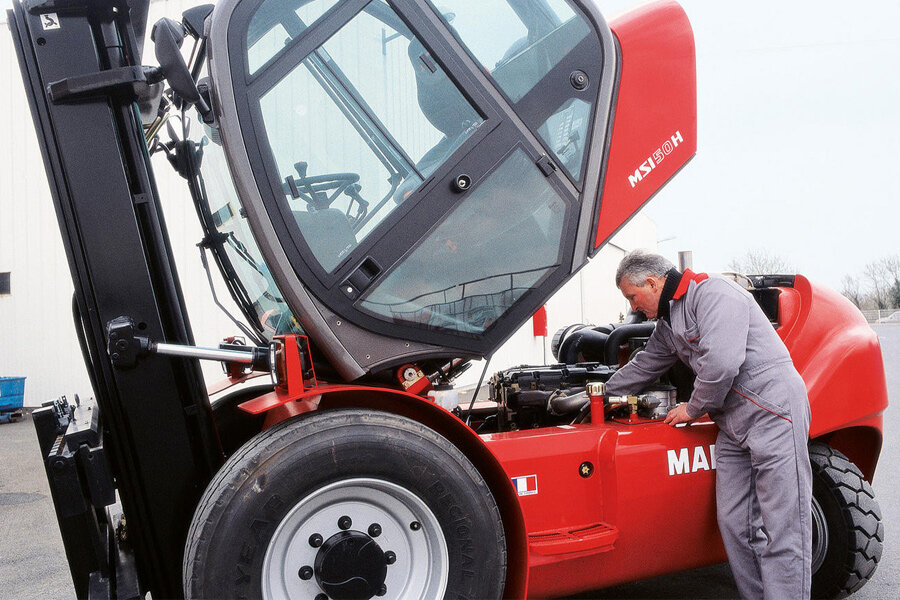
{"x": 839, "y": 357}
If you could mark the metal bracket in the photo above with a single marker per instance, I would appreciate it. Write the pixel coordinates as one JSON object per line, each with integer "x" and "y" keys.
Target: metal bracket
{"x": 546, "y": 165}
{"x": 113, "y": 81}
{"x": 123, "y": 346}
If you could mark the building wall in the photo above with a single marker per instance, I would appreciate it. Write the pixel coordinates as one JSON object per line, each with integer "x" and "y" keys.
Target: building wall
{"x": 37, "y": 335}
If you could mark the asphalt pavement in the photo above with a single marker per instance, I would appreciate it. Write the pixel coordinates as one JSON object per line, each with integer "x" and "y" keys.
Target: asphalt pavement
{"x": 33, "y": 564}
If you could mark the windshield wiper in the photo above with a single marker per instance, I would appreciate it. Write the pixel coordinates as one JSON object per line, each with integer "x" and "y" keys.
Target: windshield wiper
{"x": 214, "y": 241}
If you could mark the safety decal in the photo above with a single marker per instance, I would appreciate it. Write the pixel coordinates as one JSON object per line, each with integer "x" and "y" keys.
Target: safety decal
{"x": 526, "y": 485}
{"x": 49, "y": 21}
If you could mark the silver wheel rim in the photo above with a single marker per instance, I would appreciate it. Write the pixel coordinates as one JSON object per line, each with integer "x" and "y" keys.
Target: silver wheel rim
{"x": 422, "y": 563}
{"x": 820, "y": 536}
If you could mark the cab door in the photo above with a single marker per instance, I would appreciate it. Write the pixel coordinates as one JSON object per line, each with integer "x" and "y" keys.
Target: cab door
{"x": 430, "y": 171}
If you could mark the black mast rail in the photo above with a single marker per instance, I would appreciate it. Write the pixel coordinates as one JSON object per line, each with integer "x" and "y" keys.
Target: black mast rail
{"x": 155, "y": 422}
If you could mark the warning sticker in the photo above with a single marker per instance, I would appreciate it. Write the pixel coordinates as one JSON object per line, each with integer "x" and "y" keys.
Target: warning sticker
{"x": 526, "y": 485}
{"x": 49, "y": 21}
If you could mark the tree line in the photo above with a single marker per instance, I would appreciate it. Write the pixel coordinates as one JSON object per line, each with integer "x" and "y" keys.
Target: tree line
{"x": 877, "y": 287}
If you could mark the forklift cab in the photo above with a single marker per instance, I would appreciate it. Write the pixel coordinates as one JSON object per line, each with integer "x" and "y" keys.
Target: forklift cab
{"x": 418, "y": 177}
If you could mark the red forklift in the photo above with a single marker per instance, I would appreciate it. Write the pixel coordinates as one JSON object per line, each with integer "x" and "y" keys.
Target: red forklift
{"x": 390, "y": 189}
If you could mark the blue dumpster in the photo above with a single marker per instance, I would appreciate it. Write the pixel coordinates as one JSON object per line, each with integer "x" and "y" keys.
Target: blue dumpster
{"x": 12, "y": 396}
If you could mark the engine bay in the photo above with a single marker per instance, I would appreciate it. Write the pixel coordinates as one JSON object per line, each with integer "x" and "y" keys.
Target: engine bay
{"x": 530, "y": 397}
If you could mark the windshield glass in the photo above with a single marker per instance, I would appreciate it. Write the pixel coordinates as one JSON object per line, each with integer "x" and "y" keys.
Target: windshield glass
{"x": 501, "y": 241}
{"x": 230, "y": 239}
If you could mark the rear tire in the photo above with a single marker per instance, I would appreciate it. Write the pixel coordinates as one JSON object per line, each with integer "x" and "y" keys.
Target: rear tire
{"x": 252, "y": 533}
{"x": 848, "y": 535}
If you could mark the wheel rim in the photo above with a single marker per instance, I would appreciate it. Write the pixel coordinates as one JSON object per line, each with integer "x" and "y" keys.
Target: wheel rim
{"x": 403, "y": 550}
{"x": 819, "y": 536}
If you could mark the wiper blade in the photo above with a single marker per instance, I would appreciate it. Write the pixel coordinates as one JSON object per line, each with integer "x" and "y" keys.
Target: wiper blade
{"x": 215, "y": 240}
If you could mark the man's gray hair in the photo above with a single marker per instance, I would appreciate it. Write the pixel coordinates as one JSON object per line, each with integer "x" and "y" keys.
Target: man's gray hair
{"x": 640, "y": 264}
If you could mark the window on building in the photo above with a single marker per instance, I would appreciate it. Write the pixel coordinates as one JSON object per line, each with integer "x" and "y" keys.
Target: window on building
{"x": 4, "y": 284}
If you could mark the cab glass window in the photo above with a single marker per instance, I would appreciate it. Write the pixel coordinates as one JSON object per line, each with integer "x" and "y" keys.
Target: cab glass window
{"x": 233, "y": 243}
{"x": 564, "y": 133}
{"x": 500, "y": 242}
{"x": 357, "y": 125}
{"x": 276, "y": 23}
{"x": 517, "y": 41}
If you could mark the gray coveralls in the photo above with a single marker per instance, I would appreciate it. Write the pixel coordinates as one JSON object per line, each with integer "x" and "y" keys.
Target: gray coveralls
{"x": 750, "y": 388}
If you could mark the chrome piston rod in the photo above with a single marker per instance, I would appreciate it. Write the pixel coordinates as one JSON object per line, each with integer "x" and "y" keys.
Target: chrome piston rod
{"x": 235, "y": 356}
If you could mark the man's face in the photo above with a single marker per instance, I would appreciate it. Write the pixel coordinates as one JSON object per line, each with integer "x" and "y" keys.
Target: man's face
{"x": 644, "y": 298}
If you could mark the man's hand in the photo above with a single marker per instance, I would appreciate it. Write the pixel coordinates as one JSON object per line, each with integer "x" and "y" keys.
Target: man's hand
{"x": 678, "y": 415}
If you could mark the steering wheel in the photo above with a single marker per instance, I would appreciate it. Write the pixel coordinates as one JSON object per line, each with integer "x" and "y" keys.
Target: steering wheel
{"x": 320, "y": 191}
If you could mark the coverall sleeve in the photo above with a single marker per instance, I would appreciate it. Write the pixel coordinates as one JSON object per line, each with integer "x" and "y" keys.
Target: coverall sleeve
{"x": 723, "y": 319}
{"x": 651, "y": 362}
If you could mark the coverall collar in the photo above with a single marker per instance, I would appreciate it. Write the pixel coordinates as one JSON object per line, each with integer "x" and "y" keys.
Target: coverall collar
{"x": 673, "y": 282}
{"x": 675, "y": 287}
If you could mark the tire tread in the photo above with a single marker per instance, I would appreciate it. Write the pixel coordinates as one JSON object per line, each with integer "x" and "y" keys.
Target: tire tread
{"x": 861, "y": 514}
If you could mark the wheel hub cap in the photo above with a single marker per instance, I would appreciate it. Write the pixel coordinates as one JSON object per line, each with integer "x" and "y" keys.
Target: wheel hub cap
{"x": 819, "y": 536}
{"x": 357, "y": 538}
{"x": 350, "y": 565}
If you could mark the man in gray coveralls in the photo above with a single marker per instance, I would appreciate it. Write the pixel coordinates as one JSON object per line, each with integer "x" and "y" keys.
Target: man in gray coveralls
{"x": 748, "y": 385}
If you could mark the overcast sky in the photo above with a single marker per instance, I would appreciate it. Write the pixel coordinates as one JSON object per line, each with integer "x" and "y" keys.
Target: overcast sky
{"x": 798, "y": 136}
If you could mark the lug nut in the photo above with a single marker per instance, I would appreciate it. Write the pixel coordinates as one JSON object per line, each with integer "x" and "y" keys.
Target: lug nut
{"x": 415, "y": 526}
{"x": 374, "y": 529}
{"x": 345, "y": 522}
{"x": 381, "y": 591}
{"x": 305, "y": 573}
{"x": 315, "y": 540}
{"x": 390, "y": 558}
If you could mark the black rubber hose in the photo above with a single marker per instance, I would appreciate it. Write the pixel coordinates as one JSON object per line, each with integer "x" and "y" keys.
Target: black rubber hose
{"x": 564, "y": 405}
{"x": 622, "y": 334}
{"x": 561, "y": 340}
{"x": 590, "y": 344}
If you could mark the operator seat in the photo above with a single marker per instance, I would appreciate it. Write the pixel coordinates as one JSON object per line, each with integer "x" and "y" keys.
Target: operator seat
{"x": 443, "y": 106}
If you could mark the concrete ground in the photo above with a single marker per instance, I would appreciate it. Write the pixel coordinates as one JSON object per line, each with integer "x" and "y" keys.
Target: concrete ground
{"x": 33, "y": 565}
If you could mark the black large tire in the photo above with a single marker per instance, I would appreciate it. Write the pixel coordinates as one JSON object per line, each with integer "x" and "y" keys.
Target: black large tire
{"x": 848, "y": 535}
{"x": 254, "y": 521}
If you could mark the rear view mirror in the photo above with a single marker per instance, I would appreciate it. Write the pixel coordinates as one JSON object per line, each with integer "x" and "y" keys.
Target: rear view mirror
{"x": 167, "y": 37}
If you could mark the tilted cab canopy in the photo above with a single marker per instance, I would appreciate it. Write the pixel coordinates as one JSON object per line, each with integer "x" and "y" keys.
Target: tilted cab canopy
{"x": 422, "y": 177}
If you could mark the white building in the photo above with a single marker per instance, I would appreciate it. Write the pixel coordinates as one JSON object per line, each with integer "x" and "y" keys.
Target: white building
{"x": 37, "y": 335}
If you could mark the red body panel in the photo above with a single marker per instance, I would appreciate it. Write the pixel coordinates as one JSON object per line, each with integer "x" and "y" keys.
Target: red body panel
{"x": 838, "y": 355}
{"x": 655, "y": 124}
{"x": 630, "y": 494}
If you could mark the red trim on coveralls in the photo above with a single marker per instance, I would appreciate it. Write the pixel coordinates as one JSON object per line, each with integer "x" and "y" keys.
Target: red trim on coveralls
{"x": 686, "y": 278}
{"x": 761, "y": 406}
